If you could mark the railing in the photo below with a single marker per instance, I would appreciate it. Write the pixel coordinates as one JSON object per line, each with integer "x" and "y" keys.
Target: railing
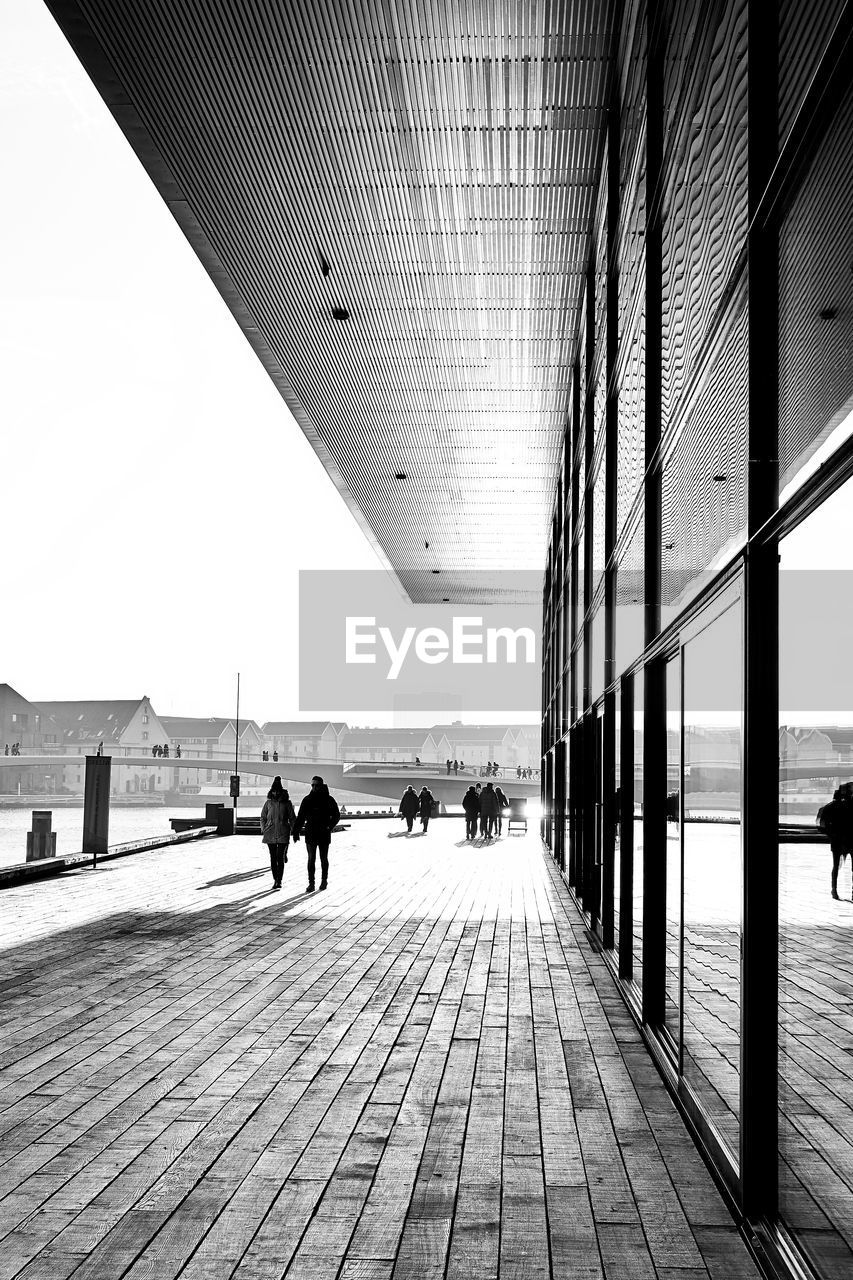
{"x": 506, "y": 773}
{"x": 223, "y": 760}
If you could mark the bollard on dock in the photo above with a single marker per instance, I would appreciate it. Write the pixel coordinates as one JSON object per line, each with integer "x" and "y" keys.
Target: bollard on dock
{"x": 41, "y": 841}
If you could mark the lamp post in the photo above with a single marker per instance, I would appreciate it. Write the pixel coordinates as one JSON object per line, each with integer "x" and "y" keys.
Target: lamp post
{"x": 235, "y": 783}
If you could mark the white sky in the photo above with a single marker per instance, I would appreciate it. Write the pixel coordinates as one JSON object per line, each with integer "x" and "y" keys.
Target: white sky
{"x": 152, "y": 475}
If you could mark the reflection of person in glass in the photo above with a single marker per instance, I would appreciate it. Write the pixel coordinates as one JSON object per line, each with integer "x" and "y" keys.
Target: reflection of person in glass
{"x": 836, "y": 819}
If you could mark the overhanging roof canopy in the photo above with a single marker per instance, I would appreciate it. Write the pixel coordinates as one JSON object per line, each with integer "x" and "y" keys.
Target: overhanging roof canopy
{"x": 428, "y": 169}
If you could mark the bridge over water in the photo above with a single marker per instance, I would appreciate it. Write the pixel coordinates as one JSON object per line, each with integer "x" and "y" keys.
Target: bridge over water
{"x": 388, "y": 779}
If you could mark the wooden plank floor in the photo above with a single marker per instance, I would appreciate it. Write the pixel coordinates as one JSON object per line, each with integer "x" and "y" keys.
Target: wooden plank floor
{"x": 425, "y": 1071}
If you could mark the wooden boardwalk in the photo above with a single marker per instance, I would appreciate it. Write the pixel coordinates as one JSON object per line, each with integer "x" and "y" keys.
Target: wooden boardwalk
{"x": 424, "y": 1072}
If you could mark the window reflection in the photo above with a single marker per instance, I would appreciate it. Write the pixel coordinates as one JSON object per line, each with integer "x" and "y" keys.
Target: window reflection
{"x": 711, "y": 825}
{"x": 617, "y": 825}
{"x": 815, "y": 930}
{"x": 672, "y": 685}
{"x": 639, "y": 703}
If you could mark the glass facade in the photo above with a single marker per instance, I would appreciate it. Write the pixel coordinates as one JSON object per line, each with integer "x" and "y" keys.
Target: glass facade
{"x": 708, "y": 492}
{"x": 815, "y": 926}
{"x": 712, "y": 780}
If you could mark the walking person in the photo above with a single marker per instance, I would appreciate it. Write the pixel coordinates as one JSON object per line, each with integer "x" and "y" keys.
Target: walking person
{"x": 277, "y": 822}
{"x": 455, "y": 768}
{"x": 448, "y": 763}
{"x": 471, "y": 805}
{"x": 489, "y": 809}
{"x": 426, "y": 800}
{"x": 503, "y": 803}
{"x": 835, "y": 819}
{"x": 318, "y": 816}
{"x": 409, "y": 806}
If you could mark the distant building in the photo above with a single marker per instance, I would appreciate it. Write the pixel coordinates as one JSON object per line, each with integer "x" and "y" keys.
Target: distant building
{"x": 124, "y": 728}
{"x": 304, "y": 739}
{"x": 478, "y": 744}
{"x": 213, "y": 738}
{"x": 399, "y": 746}
{"x": 24, "y": 723}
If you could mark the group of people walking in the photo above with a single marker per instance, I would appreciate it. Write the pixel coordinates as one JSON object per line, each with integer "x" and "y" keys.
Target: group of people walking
{"x": 484, "y": 806}
{"x": 157, "y": 751}
{"x": 417, "y": 805}
{"x": 317, "y": 818}
{"x": 15, "y": 751}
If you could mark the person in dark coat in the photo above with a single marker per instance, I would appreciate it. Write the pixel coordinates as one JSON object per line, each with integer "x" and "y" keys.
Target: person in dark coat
{"x": 489, "y": 809}
{"x": 410, "y": 806}
{"x": 836, "y": 819}
{"x": 471, "y": 805}
{"x": 318, "y": 816}
{"x": 426, "y": 800}
{"x": 277, "y": 821}
{"x": 503, "y": 803}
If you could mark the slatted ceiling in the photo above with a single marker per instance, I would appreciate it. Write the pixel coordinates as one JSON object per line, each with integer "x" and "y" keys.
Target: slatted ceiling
{"x": 443, "y": 160}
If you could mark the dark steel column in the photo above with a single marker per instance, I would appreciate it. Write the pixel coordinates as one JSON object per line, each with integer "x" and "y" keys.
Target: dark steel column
{"x": 611, "y": 428}
{"x": 761, "y": 618}
{"x": 654, "y": 724}
{"x": 626, "y": 829}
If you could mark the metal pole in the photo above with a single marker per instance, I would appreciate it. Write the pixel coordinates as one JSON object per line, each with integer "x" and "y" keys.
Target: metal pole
{"x": 237, "y": 749}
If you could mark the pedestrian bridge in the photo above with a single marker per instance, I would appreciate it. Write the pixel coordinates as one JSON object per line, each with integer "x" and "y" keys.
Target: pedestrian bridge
{"x": 371, "y": 779}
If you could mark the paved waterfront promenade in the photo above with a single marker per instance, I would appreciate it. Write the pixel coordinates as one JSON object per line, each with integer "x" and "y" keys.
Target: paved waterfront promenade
{"x": 424, "y": 1072}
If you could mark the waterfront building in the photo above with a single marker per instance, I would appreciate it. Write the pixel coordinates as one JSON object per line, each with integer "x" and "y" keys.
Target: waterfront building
{"x": 399, "y": 746}
{"x": 303, "y": 739}
{"x": 212, "y": 737}
{"x": 128, "y": 727}
{"x": 478, "y": 744}
{"x": 26, "y": 724}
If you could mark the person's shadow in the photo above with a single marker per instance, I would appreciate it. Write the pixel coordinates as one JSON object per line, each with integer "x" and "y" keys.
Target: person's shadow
{"x": 236, "y": 877}
{"x": 398, "y": 835}
{"x": 269, "y": 893}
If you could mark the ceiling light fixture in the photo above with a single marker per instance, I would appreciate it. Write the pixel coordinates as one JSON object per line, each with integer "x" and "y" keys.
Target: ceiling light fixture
{"x": 721, "y": 478}
{"x": 340, "y": 313}
{"x": 828, "y": 313}
{"x": 400, "y": 475}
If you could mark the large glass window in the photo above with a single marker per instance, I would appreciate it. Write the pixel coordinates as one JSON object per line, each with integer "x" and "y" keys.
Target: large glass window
{"x": 672, "y": 1003}
{"x": 816, "y": 311}
{"x": 711, "y": 827}
{"x": 815, "y": 928}
{"x": 639, "y": 704}
{"x": 617, "y": 825}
